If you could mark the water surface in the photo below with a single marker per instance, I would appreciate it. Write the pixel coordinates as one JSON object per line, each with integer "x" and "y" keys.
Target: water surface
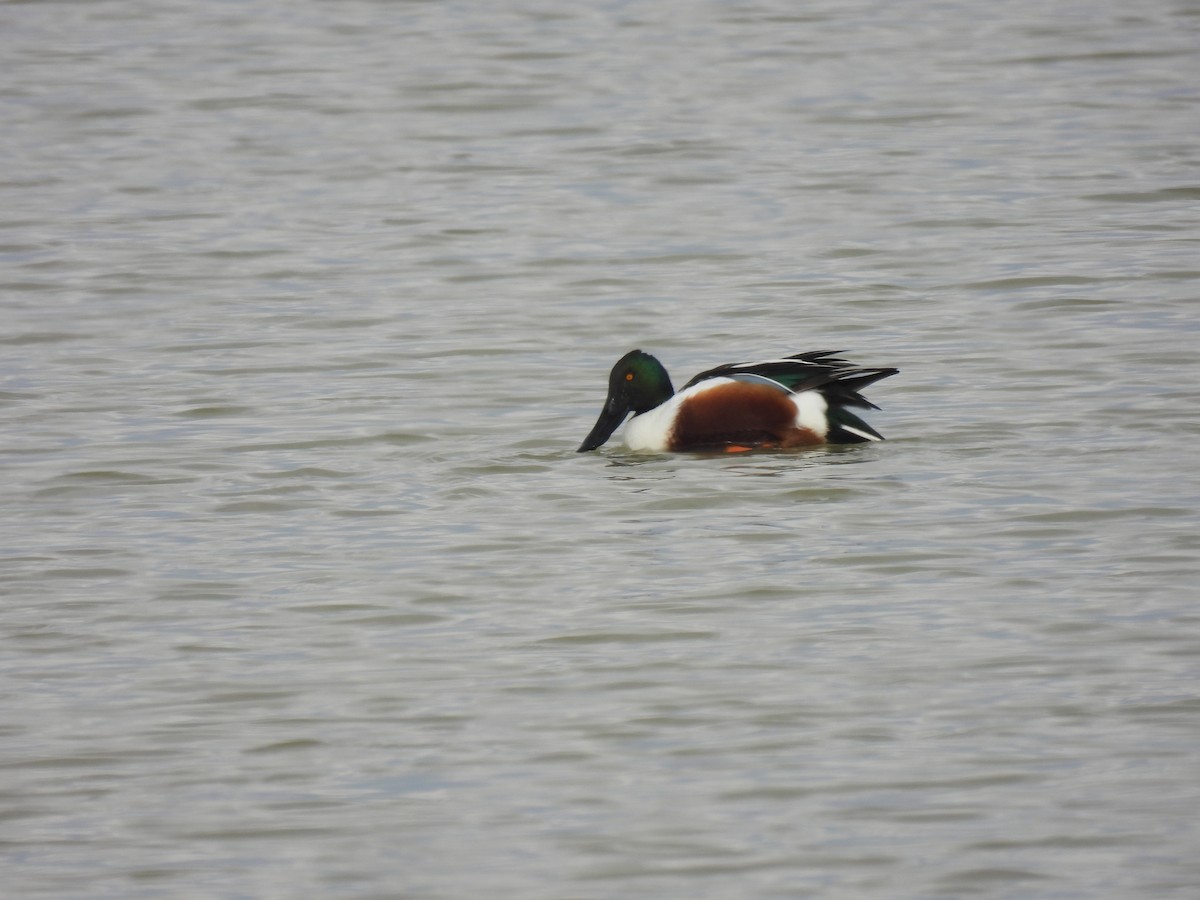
{"x": 306, "y": 592}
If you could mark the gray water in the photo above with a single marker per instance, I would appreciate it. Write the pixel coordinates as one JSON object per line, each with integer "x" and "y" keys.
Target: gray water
{"x": 306, "y": 307}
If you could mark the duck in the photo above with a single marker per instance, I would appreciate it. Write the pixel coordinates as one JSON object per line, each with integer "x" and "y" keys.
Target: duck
{"x": 776, "y": 404}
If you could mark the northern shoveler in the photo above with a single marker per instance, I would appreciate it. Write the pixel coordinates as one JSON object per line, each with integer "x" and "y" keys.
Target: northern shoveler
{"x": 799, "y": 401}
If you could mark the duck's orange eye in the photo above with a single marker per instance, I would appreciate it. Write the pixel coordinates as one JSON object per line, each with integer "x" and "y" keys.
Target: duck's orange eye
{"x": 629, "y": 376}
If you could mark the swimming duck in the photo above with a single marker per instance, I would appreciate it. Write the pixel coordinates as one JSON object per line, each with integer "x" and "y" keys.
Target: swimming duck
{"x": 797, "y": 401}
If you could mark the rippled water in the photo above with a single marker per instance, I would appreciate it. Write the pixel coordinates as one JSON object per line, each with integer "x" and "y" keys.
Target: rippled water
{"x": 306, "y": 592}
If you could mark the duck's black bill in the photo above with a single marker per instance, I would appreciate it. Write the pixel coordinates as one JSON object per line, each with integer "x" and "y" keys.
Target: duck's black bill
{"x": 610, "y": 419}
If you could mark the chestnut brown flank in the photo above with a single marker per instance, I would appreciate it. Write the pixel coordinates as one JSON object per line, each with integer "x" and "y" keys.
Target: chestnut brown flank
{"x": 747, "y": 415}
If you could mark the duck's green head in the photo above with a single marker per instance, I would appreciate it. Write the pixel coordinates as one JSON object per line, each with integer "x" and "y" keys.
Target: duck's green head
{"x": 638, "y": 383}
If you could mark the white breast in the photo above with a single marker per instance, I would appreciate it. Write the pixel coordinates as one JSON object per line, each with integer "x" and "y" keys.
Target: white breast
{"x": 651, "y": 431}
